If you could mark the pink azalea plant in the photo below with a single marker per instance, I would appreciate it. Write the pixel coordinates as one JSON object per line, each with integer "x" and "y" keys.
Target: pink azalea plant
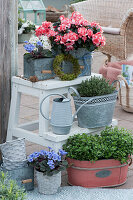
{"x": 69, "y": 34}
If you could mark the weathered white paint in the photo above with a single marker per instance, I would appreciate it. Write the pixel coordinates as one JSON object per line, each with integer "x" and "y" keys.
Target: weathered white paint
{"x": 41, "y": 89}
{"x": 14, "y": 36}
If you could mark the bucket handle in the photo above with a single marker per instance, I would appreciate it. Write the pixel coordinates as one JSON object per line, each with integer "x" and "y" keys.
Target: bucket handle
{"x": 45, "y": 99}
{"x": 74, "y": 90}
{"x": 118, "y": 82}
{"x": 81, "y": 107}
{"x": 71, "y": 88}
{"x": 27, "y": 181}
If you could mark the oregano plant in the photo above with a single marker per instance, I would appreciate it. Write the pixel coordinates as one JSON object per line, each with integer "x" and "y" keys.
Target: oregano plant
{"x": 9, "y": 190}
{"x": 112, "y": 143}
{"x": 95, "y": 86}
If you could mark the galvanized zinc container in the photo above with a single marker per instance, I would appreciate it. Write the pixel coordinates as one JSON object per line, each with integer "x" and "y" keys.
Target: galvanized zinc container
{"x": 98, "y": 112}
{"x": 42, "y": 68}
{"x": 24, "y": 176}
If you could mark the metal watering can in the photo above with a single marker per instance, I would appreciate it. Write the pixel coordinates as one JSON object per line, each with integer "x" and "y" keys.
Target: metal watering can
{"x": 61, "y": 115}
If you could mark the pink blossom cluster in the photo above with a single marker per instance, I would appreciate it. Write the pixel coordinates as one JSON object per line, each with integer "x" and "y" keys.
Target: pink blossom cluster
{"x": 69, "y": 31}
{"x": 78, "y": 19}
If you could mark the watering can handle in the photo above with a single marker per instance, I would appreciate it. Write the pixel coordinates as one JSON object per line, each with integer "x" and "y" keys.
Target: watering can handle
{"x": 76, "y": 92}
{"x": 44, "y": 100}
{"x": 81, "y": 107}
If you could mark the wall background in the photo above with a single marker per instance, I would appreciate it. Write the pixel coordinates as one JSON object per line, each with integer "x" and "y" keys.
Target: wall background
{"x": 56, "y": 3}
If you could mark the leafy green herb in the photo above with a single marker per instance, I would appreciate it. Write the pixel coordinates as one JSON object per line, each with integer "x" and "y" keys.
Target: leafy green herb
{"x": 113, "y": 143}
{"x": 95, "y": 86}
{"x": 9, "y": 190}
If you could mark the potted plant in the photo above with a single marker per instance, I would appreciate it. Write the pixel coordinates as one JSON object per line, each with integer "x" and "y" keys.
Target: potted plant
{"x": 98, "y": 99}
{"x": 13, "y": 154}
{"x": 75, "y": 36}
{"x": 48, "y": 166}
{"x": 38, "y": 61}
{"x": 9, "y": 189}
{"x": 99, "y": 160}
{"x": 25, "y": 30}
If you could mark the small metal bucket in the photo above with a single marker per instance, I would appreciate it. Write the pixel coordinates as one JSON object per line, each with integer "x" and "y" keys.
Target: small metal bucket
{"x": 94, "y": 112}
{"x": 23, "y": 176}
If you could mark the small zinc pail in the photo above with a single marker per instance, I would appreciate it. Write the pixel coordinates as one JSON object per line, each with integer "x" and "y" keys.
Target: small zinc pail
{"x": 24, "y": 176}
{"x": 94, "y": 112}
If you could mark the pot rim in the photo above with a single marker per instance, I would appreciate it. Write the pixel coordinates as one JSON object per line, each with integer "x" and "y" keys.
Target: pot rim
{"x": 95, "y": 97}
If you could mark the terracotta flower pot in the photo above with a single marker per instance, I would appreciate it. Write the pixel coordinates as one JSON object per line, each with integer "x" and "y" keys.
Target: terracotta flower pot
{"x": 102, "y": 173}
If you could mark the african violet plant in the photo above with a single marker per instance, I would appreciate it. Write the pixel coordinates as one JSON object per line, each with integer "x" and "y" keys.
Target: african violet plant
{"x": 48, "y": 162}
{"x": 113, "y": 143}
{"x": 38, "y": 47}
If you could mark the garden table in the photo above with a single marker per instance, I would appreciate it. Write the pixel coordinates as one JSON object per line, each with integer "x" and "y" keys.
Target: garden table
{"x": 41, "y": 89}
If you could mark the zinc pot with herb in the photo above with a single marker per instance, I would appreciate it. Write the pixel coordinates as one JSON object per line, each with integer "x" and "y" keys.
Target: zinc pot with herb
{"x": 99, "y": 160}
{"x": 98, "y": 99}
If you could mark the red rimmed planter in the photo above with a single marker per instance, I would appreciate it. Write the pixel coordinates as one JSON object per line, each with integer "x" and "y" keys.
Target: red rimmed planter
{"x": 102, "y": 173}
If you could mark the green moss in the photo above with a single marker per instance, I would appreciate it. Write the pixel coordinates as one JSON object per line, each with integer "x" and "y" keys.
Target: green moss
{"x": 57, "y": 67}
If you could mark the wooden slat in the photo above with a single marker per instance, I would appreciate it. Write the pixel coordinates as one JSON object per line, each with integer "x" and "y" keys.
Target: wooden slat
{"x": 8, "y": 45}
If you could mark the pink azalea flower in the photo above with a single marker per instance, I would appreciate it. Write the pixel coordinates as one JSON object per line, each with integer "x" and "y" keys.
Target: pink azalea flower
{"x": 62, "y": 27}
{"x": 102, "y": 41}
{"x": 82, "y": 32}
{"x": 46, "y": 24}
{"x": 89, "y": 33}
{"x": 68, "y": 31}
{"x": 58, "y": 38}
{"x": 97, "y": 39}
{"x": 51, "y": 33}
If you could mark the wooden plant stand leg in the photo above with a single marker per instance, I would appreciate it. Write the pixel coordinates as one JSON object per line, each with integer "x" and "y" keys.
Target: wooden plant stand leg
{"x": 14, "y": 112}
{"x": 43, "y": 123}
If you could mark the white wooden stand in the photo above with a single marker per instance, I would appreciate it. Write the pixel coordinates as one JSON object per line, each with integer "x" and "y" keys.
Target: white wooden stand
{"x": 40, "y": 89}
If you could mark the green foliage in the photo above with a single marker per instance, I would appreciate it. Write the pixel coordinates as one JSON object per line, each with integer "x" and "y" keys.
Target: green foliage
{"x": 113, "y": 143}
{"x": 43, "y": 167}
{"x": 57, "y": 67}
{"x": 95, "y": 87}
{"x": 41, "y": 53}
{"x": 9, "y": 190}
{"x": 26, "y": 26}
{"x": 20, "y": 22}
